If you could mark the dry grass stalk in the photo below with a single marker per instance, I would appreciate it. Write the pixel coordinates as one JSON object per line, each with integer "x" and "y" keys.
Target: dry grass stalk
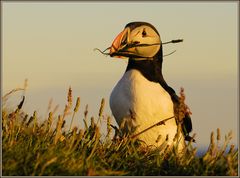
{"x": 231, "y": 170}
{"x": 69, "y": 97}
{"x": 24, "y": 119}
{"x": 68, "y": 106}
{"x": 35, "y": 120}
{"x": 73, "y": 137}
{"x": 29, "y": 121}
{"x": 230, "y": 135}
{"x": 77, "y": 104}
{"x": 62, "y": 138}
{"x": 66, "y": 111}
{"x": 75, "y": 111}
{"x": 63, "y": 124}
{"x": 212, "y": 138}
{"x": 183, "y": 109}
{"x": 50, "y": 119}
{"x": 101, "y": 107}
{"x": 231, "y": 149}
{"x": 12, "y": 91}
{"x": 4, "y": 98}
{"x": 80, "y": 134}
{"x": 92, "y": 122}
{"x": 212, "y": 144}
{"x": 86, "y": 112}
{"x": 109, "y": 128}
{"x": 47, "y": 164}
{"x": 178, "y": 134}
{"x": 20, "y": 105}
{"x": 58, "y": 129}
{"x": 218, "y": 136}
{"x": 12, "y": 115}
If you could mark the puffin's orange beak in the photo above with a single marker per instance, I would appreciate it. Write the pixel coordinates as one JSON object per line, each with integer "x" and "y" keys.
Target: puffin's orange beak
{"x": 118, "y": 42}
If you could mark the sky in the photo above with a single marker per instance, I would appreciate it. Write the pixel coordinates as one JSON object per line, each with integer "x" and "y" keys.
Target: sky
{"x": 51, "y": 44}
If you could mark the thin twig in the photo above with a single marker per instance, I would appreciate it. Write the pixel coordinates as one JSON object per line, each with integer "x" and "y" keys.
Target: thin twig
{"x": 162, "y": 122}
{"x": 12, "y": 91}
{"x": 169, "y": 53}
{"x": 173, "y": 41}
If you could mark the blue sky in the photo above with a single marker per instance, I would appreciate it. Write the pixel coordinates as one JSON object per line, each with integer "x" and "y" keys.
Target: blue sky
{"x": 51, "y": 44}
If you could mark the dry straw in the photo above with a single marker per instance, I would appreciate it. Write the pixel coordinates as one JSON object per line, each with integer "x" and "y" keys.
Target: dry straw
{"x": 50, "y": 119}
{"x": 68, "y": 106}
{"x": 58, "y": 129}
{"x": 35, "y": 120}
{"x": 69, "y": 97}
{"x": 75, "y": 111}
{"x": 101, "y": 107}
{"x": 77, "y": 104}
{"x": 109, "y": 128}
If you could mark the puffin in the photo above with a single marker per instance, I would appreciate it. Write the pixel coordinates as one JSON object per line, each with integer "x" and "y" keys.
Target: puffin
{"x": 142, "y": 98}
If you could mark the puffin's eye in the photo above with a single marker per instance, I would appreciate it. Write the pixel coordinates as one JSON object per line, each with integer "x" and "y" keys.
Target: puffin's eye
{"x": 144, "y": 33}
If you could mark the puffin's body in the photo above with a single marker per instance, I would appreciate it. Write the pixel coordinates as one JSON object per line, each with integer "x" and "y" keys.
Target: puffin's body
{"x": 141, "y": 97}
{"x": 148, "y": 102}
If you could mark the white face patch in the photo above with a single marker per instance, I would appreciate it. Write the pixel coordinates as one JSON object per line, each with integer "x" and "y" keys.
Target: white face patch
{"x": 145, "y": 35}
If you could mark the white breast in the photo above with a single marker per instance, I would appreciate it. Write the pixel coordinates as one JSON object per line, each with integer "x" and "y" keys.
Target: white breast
{"x": 150, "y": 104}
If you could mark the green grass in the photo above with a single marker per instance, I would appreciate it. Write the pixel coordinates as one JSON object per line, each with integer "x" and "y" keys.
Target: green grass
{"x": 34, "y": 147}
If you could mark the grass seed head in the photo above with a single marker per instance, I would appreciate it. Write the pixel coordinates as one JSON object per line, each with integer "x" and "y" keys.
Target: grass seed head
{"x": 50, "y": 118}
{"x": 21, "y": 103}
{"x": 109, "y": 128}
{"x": 231, "y": 149}
{"x": 218, "y": 134}
{"x": 58, "y": 129}
{"x": 69, "y": 97}
{"x": 86, "y": 112}
{"x": 230, "y": 135}
{"x": 92, "y": 122}
{"x": 66, "y": 110}
{"x": 81, "y": 133}
{"x": 63, "y": 124}
{"x": 24, "y": 119}
{"x": 77, "y": 104}
{"x": 212, "y": 138}
{"x": 101, "y": 107}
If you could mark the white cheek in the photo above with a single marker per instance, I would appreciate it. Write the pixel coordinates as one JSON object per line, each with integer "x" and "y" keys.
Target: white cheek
{"x": 152, "y": 41}
{"x": 149, "y": 51}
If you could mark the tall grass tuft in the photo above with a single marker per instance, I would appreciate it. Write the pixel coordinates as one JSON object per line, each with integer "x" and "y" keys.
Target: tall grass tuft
{"x": 34, "y": 147}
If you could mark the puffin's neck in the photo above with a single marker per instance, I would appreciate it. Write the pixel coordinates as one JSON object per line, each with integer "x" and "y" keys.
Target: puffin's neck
{"x": 151, "y": 69}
